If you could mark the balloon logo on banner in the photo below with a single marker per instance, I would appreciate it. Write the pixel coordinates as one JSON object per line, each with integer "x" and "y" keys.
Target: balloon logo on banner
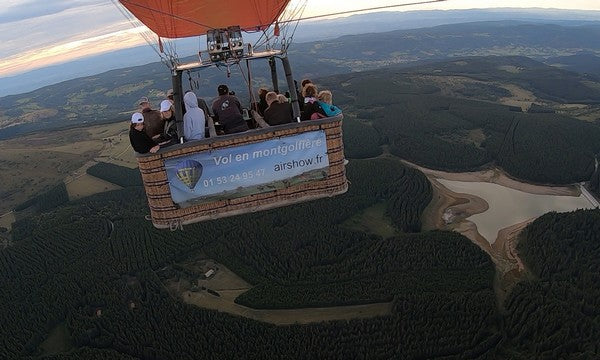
{"x": 189, "y": 172}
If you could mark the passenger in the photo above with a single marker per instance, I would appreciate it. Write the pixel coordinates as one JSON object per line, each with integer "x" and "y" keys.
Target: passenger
{"x": 326, "y": 103}
{"x": 168, "y": 115}
{"x": 140, "y": 141}
{"x": 194, "y": 119}
{"x": 204, "y": 107}
{"x": 299, "y": 96}
{"x": 166, "y": 110}
{"x": 153, "y": 122}
{"x": 170, "y": 96}
{"x": 262, "y": 101}
{"x": 283, "y": 99}
{"x": 312, "y": 109}
{"x": 277, "y": 113}
{"x": 228, "y": 111}
{"x": 305, "y": 82}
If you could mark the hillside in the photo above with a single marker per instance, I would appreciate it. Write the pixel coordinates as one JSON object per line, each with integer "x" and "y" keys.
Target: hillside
{"x": 427, "y": 115}
{"x": 76, "y": 271}
{"x": 93, "y": 279}
{"x": 112, "y": 95}
{"x": 459, "y": 115}
{"x": 308, "y": 31}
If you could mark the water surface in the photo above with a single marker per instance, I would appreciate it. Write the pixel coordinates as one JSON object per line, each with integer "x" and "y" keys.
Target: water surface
{"x": 508, "y": 206}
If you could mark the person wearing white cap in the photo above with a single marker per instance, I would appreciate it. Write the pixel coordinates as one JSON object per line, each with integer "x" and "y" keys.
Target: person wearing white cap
{"x": 168, "y": 115}
{"x": 166, "y": 110}
{"x": 140, "y": 141}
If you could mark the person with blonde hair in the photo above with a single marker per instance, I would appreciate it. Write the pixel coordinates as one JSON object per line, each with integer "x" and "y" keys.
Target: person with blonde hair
{"x": 282, "y": 98}
{"x": 277, "y": 113}
{"x": 326, "y": 103}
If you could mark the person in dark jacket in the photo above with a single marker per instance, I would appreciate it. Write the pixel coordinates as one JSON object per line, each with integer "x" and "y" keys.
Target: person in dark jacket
{"x": 228, "y": 111}
{"x": 262, "y": 101}
{"x": 277, "y": 113}
{"x": 312, "y": 109}
{"x": 140, "y": 141}
{"x": 167, "y": 113}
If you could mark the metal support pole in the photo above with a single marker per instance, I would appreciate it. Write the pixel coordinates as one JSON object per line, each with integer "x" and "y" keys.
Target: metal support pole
{"x": 250, "y": 91}
{"x": 290, "y": 81}
{"x": 178, "y": 99}
{"x": 274, "y": 74}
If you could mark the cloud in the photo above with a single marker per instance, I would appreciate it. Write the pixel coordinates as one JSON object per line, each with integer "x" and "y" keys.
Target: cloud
{"x": 67, "y": 30}
{"x": 28, "y": 9}
{"x": 69, "y": 50}
{"x": 74, "y": 23}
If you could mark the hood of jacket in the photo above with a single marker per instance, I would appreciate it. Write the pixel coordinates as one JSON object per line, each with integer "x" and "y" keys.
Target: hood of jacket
{"x": 190, "y": 100}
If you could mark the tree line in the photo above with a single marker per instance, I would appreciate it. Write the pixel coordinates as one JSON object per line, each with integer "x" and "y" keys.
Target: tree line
{"x": 422, "y": 125}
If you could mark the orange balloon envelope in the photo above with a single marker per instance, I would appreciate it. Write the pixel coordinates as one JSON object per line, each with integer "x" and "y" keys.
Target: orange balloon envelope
{"x": 185, "y": 18}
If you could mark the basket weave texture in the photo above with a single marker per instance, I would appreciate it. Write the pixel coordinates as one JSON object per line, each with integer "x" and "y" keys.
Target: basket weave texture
{"x": 165, "y": 213}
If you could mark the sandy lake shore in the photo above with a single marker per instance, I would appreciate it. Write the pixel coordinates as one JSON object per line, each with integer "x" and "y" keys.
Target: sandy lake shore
{"x": 449, "y": 210}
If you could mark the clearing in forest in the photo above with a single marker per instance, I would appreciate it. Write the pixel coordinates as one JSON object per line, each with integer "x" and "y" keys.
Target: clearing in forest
{"x": 219, "y": 291}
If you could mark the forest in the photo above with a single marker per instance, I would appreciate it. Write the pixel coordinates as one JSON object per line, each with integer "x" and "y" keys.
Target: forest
{"x": 119, "y": 175}
{"x": 595, "y": 183}
{"x": 421, "y": 125}
{"x": 57, "y": 195}
{"x": 83, "y": 264}
{"x": 93, "y": 267}
{"x": 556, "y": 314}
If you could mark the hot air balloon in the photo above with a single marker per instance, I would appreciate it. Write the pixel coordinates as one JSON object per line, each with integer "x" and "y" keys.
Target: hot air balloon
{"x": 223, "y": 23}
{"x": 189, "y": 172}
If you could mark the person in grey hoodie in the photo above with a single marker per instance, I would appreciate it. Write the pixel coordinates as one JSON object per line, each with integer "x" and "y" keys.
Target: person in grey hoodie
{"x": 194, "y": 119}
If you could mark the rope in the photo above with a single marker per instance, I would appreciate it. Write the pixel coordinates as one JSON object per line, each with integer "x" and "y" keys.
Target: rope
{"x": 361, "y": 10}
{"x": 166, "y": 13}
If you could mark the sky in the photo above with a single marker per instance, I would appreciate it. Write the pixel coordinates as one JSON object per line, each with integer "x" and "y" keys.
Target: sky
{"x": 35, "y": 34}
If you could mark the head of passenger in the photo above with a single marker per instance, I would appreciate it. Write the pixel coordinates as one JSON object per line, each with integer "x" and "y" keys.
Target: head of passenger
{"x": 304, "y": 82}
{"x": 271, "y": 97}
{"x": 137, "y": 121}
{"x": 282, "y": 98}
{"x": 166, "y": 109}
{"x": 190, "y": 100}
{"x": 222, "y": 90}
{"x": 262, "y": 93}
{"x": 309, "y": 91}
{"x": 144, "y": 103}
{"x": 170, "y": 95}
{"x": 326, "y": 97}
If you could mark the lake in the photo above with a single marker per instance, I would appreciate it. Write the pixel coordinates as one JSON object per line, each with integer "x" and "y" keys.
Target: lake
{"x": 508, "y": 206}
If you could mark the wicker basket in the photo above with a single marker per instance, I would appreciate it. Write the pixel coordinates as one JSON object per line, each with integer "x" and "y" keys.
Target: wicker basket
{"x": 166, "y": 214}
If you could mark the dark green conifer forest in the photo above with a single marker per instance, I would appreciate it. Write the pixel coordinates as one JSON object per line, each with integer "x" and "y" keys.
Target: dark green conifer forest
{"x": 75, "y": 268}
{"x": 420, "y": 124}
